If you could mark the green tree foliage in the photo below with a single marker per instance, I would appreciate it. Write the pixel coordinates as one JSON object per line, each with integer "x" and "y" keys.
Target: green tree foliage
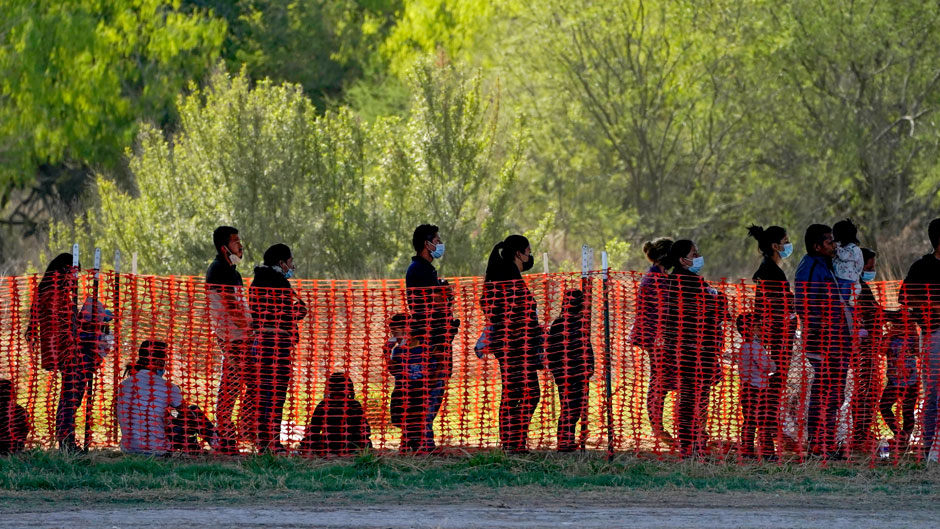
{"x": 344, "y": 194}
{"x": 75, "y": 78}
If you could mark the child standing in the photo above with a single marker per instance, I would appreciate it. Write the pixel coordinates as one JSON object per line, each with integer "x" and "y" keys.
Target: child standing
{"x": 339, "y": 425}
{"x": 848, "y": 263}
{"x": 422, "y": 366}
{"x": 392, "y": 353}
{"x": 755, "y": 369}
{"x": 571, "y": 361}
{"x": 903, "y": 386}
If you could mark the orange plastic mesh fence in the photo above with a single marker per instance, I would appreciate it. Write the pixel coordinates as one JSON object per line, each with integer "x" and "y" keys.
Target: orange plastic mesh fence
{"x": 678, "y": 367}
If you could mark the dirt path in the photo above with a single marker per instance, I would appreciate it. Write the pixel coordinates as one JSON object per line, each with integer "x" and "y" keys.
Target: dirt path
{"x": 466, "y": 517}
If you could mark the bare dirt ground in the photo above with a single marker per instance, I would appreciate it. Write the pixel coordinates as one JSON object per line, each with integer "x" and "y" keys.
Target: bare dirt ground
{"x": 590, "y": 511}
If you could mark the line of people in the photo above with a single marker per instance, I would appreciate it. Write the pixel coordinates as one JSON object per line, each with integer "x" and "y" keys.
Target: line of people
{"x": 678, "y": 322}
{"x": 833, "y": 312}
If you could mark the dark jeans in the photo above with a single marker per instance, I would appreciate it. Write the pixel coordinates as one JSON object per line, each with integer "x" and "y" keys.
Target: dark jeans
{"x": 269, "y": 385}
{"x": 692, "y": 409}
{"x": 76, "y": 379}
{"x": 520, "y": 397}
{"x": 573, "y": 396}
{"x": 759, "y": 412}
{"x": 906, "y": 398}
{"x": 435, "y": 399}
{"x": 826, "y": 395}
{"x": 416, "y": 405}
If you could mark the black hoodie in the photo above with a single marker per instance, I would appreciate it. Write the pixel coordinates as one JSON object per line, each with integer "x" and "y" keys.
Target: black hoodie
{"x": 274, "y": 304}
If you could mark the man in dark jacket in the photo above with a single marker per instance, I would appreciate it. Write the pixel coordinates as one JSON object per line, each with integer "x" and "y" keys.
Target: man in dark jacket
{"x": 826, "y": 338}
{"x": 430, "y": 301}
{"x": 228, "y": 314}
{"x": 275, "y": 311}
{"x": 920, "y": 293}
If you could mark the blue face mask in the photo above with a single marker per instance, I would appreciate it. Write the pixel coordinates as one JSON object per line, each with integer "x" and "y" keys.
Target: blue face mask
{"x": 868, "y": 275}
{"x": 697, "y": 264}
{"x": 438, "y": 251}
{"x": 288, "y": 274}
{"x": 160, "y": 372}
{"x": 787, "y": 250}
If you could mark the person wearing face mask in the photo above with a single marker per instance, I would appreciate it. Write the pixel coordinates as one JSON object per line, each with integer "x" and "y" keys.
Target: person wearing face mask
{"x": 275, "y": 310}
{"x": 515, "y": 338}
{"x": 231, "y": 324}
{"x": 773, "y": 307}
{"x": 696, "y": 314}
{"x": 826, "y": 339}
{"x": 866, "y": 363}
{"x": 430, "y": 302}
{"x": 143, "y": 398}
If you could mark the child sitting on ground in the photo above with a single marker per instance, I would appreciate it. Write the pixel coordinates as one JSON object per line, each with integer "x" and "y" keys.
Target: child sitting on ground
{"x": 338, "y": 426}
{"x": 14, "y": 421}
{"x": 755, "y": 368}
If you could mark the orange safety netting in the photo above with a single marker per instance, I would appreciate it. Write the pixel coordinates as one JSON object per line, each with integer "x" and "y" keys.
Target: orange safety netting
{"x": 620, "y": 363}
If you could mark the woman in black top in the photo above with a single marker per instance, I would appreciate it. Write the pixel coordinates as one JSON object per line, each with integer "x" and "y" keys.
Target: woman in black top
{"x": 696, "y": 313}
{"x": 773, "y": 305}
{"x": 515, "y": 338}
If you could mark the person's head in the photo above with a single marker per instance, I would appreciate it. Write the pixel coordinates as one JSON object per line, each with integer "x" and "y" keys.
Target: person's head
{"x": 746, "y": 323}
{"x": 151, "y": 355}
{"x": 514, "y": 251}
{"x": 818, "y": 240}
{"x": 228, "y": 244}
{"x": 868, "y": 257}
{"x": 59, "y": 270}
{"x": 771, "y": 241}
{"x": 845, "y": 232}
{"x": 340, "y": 386}
{"x": 6, "y": 390}
{"x": 684, "y": 254}
{"x": 657, "y": 250}
{"x": 427, "y": 241}
{"x": 573, "y": 303}
{"x": 933, "y": 232}
{"x": 280, "y": 257}
{"x": 398, "y": 325}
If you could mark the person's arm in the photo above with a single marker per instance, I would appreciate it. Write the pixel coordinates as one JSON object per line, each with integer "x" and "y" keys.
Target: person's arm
{"x": 313, "y": 437}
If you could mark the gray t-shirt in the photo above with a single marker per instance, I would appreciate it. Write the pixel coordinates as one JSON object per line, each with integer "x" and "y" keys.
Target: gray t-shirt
{"x": 142, "y": 401}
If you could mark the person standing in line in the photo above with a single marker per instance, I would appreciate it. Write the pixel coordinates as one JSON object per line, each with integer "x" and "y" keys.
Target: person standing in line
{"x": 697, "y": 312}
{"x": 53, "y": 330}
{"x": 430, "y": 302}
{"x": 275, "y": 310}
{"x": 570, "y": 359}
{"x": 920, "y": 293}
{"x": 826, "y": 339}
{"x": 515, "y": 338}
{"x": 228, "y": 314}
{"x": 648, "y": 333}
{"x": 756, "y": 368}
{"x": 773, "y": 308}
{"x": 866, "y": 362}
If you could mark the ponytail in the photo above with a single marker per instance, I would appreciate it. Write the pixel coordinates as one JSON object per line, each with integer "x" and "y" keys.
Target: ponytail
{"x": 766, "y": 239}
{"x": 497, "y": 267}
{"x": 494, "y": 264}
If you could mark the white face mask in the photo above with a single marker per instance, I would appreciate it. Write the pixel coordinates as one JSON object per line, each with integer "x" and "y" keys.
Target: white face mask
{"x": 234, "y": 259}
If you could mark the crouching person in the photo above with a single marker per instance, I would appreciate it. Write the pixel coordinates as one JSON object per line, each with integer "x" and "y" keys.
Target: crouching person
{"x": 143, "y": 400}
{"x": 338, "y": 426}
{"x": 190, "y": 430}
{"x": 14, "y": 421}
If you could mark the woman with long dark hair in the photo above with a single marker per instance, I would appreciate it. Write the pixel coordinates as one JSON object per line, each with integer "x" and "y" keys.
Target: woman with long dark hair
{"x": 696, "y": 313}
{"x": 515, "y": 338}
{"x": 773, "y": 306}
{"x": 652, "y": 302}
{"x": 53, "y": 324}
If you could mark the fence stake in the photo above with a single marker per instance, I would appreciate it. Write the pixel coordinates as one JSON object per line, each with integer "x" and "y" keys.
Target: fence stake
{"x": 608, "y": 361}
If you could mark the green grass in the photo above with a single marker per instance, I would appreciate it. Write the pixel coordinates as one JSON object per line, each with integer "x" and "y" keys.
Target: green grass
{"x": 114, "y": 477}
